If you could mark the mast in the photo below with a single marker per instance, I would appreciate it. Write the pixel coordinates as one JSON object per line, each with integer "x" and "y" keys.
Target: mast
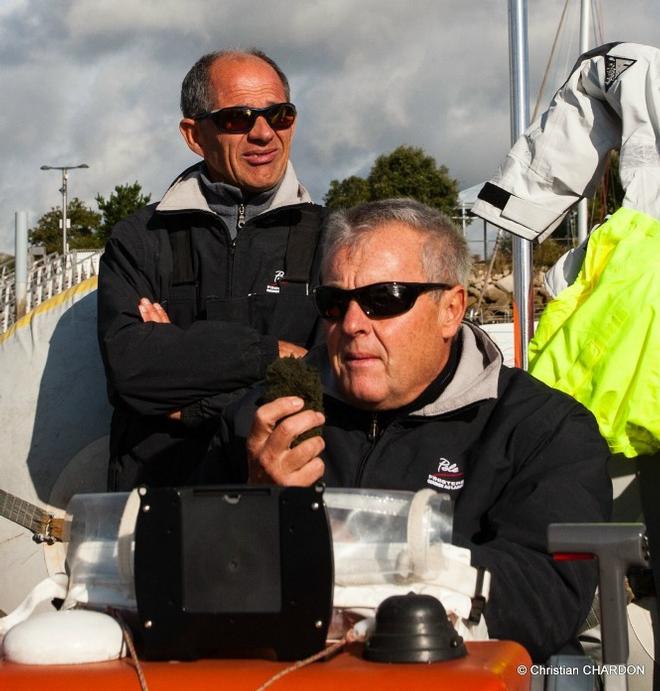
{"x": 583, "y": 211}
{"x": 523, "y": 313}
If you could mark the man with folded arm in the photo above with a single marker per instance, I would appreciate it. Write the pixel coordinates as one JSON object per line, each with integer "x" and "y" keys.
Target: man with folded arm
{"x": 415, "y": 397}
{"x": 200, "y": 292}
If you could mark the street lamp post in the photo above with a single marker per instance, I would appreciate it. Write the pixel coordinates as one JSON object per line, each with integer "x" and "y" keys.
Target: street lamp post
{"x": 65, "y": 179}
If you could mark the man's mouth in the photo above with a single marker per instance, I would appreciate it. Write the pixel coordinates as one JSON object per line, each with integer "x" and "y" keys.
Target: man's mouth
{"x": 260, "y": 158}
{"x": 360, "y": 359}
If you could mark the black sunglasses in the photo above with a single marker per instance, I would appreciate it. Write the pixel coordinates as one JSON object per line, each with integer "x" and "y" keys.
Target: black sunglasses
{"x": 378, "y": 300}
{"x": 241, "y": 119}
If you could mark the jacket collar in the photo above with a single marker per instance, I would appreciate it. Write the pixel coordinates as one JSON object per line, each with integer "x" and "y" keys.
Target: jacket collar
{"x": 185, "y": 193}
{"x": 476, "y": 377}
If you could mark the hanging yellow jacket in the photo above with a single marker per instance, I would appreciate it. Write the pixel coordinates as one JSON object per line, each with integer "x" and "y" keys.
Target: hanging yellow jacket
{"x": 599, "y": 340}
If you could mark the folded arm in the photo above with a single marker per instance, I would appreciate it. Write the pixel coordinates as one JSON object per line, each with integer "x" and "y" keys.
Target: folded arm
{"x": 153, "y": 366}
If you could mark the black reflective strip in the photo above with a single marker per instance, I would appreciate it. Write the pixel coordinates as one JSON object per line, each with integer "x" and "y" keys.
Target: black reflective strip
{"x": 301, "y": 247}
{"x": 300, "y": 254}
{"x": 478, "y": 601}
{"x": 182, "y": 270}
{"x": 492, "y": 194}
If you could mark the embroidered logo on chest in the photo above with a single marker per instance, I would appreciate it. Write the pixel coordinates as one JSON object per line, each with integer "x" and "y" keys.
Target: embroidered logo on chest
{"x": 614, "y": 68}
{"x": 273, "y": 286}
{"x": 448, "y": 477}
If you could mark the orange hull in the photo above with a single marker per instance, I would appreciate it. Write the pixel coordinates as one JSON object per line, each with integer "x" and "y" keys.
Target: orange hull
{"x": 489, "y": 666}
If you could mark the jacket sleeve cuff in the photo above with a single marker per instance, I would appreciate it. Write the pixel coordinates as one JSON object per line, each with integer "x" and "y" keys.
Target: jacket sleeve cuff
{"x": 193, "y": 415}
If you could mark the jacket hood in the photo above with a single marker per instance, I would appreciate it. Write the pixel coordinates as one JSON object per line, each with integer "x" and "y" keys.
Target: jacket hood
{"x": 476, "y": 377}
{"x": 185, "y": 193}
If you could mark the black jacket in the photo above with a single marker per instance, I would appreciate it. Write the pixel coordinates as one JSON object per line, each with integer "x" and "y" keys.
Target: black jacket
{"x": 229, "y": 303}
{"x": 514, "y": 455}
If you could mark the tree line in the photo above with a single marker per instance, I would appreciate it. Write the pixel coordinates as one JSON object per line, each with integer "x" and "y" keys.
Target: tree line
{"x": 89, "y": 229}
{"x": 404, "y": 172}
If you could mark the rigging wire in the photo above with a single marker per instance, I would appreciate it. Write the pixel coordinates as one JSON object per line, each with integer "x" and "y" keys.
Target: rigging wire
{"x": 597, "y": 24}
{"x": 571, "y": 44}
{"x": 550, "y": 58}
{"x": 326, "y": 652}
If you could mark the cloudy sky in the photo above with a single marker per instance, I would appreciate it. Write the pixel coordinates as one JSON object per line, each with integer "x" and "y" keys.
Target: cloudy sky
{"x": 97, "y": 81}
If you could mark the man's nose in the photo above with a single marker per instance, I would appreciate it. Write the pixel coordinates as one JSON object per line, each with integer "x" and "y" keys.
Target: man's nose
{"x": 355, "y": 320}
{"x": 261, "y": 131}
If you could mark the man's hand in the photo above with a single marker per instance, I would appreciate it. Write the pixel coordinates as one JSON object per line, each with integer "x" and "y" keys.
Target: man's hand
{"x": 152, "y": 312}
{"x": 271, "y": 460}
{"x": 287, "y": 349}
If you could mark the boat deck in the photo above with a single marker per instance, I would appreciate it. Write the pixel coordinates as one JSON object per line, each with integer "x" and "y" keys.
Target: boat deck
{"x": 489, "y": 666}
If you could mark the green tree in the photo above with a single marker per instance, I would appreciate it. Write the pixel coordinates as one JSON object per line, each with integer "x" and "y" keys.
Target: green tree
{"x": 346, "y": 193}
{"x": 405, "y": 172}
{"x": 409, "y": 172}
{"x": 125, "y": 200}
{"x": 81, "y": 235}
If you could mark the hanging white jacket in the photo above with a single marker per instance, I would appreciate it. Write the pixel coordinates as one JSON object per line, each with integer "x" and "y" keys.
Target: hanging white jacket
{"x": 610, "y": 100}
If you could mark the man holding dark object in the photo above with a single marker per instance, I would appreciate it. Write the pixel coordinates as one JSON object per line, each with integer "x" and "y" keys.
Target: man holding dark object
{"x": 200, "y": 292}
{"x": 415, "y": 398}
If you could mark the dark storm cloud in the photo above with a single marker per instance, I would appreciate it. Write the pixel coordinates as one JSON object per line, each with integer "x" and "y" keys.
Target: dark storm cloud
{"x": 97, "y": 81}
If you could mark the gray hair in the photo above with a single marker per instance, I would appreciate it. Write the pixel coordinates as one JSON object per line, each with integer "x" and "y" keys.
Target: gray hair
{"x": 196, "y": 94}
{"x": 445, "y": 256}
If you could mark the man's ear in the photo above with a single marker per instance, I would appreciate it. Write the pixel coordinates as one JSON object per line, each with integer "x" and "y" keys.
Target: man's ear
{"x": 189, "y": 129}
{"x": 453, "y": 305}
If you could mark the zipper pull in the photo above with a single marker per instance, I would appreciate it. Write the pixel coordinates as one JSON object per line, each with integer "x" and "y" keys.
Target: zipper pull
{"x": 240, "y": 220}
{"x": 373, "y": 430}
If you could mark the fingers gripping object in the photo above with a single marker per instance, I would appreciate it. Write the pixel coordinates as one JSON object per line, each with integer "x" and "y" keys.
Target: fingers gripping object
{"x": 291, "y": 376}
